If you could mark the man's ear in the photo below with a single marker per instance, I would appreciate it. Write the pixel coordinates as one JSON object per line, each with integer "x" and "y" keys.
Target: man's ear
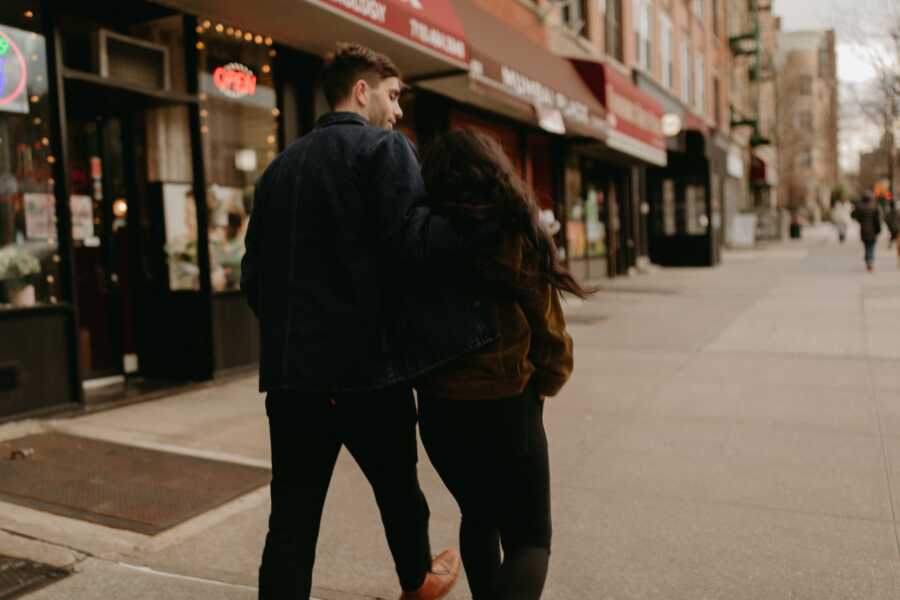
{"x": 360, "y": 89}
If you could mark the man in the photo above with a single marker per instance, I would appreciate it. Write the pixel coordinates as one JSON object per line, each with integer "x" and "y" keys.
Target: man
{"x": 337, "y": 236}
{"x": 868, "y": 213}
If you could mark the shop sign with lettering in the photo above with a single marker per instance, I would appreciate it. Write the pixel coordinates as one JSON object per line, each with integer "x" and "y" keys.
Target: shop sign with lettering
{"x": 431, "y": 24}
{"x": 235, "y": 80}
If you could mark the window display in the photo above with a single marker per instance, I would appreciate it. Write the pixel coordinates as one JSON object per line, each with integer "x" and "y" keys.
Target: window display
{"x": 239, "y": 125}
{"x": 29, "y": 262}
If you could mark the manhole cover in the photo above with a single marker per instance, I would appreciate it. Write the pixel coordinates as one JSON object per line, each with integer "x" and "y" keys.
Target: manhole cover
{"x": 18, "y": 576}
{"x": 146, "y": 491}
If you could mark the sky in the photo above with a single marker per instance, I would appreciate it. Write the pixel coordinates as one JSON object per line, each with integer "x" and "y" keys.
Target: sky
{"x": 856, "y": 25}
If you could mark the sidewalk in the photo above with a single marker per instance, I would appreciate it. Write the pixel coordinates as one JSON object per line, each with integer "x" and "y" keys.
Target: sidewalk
{"x": 728, "y": 433}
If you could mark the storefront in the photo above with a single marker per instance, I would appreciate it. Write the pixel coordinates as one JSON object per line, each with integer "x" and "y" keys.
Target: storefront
{"x": 606, "y": 206}
{"x": 130, "y": 140}
{"x": 532, "y": 101}
{"x": 685, "y": 197}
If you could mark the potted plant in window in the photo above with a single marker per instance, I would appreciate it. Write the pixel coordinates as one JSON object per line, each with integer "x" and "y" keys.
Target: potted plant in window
{"x": 17, "y": 270}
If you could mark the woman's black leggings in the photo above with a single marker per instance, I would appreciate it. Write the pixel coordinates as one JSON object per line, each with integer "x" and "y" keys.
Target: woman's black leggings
{"x": 492, "y": 456}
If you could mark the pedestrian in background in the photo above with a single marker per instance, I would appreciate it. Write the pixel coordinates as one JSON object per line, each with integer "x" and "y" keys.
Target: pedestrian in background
{"x": 481, "y": 415}
{"x": 868, "y": 213}
{"x": 841, "y": 217}
{"x": 338, "y": 231}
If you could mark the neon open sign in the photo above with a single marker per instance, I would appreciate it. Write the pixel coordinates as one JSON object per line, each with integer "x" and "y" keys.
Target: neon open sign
{"x": 13, "y": 71}
{"x": 235, "y": 80}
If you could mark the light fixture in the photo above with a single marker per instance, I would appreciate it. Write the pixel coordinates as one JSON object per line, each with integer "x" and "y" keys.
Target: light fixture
{"x": 258, "y": 39}
{"x": 220, "y": 28}
{"x": 29, "y": 14}
{"x": 120, "y": 207}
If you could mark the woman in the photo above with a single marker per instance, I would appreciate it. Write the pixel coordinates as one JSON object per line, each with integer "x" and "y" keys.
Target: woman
{"x": 481, "y": 415}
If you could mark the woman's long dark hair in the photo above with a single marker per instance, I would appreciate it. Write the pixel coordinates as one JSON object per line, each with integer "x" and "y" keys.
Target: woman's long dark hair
{"x": 469, "y": 177}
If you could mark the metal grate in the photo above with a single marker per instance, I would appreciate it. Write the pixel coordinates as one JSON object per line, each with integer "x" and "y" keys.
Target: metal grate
{"x": 19, "y": 576}
{"x": 146, "y": 491}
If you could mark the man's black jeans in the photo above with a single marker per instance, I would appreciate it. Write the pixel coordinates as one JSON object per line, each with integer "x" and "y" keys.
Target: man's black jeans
{"x": 307, "y": 432}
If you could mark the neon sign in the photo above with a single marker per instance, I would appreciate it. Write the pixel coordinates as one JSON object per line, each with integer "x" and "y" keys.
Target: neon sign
{"x": 13, "y": 74}
{"x": 235, "y": 80}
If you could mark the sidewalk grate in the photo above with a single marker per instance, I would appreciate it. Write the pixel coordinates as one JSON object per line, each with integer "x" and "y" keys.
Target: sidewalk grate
{"x": 124, "y": 487}
{"x": 19, "y": 576}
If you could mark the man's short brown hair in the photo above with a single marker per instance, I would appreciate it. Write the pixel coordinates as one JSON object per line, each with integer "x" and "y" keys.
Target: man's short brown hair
{"x": 348, "y": 64}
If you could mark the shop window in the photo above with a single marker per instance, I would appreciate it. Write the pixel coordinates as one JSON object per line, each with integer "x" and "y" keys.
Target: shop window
{"x": 696, "y": 221}
{"x": 669, "y": 220}
{"x": 239, "y": 126}
{"x": 613, "y": 25}
{"x": 29, "y": 262}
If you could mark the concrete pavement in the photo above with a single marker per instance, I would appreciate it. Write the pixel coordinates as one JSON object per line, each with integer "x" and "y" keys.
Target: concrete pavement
{"x": 728, "y": 433}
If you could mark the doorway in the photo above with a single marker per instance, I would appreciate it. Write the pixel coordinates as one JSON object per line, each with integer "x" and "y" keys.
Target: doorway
{"x": 105, "y": 203}
{"x": 142, "y": 311}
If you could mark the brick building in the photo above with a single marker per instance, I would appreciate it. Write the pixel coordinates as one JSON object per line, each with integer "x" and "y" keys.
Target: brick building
{"x": 807, "y": 120}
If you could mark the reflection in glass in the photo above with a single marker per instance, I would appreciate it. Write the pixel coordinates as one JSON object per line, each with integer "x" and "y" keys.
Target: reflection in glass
{"x": 239, "y": 124}
{"x": 29, "y": 263}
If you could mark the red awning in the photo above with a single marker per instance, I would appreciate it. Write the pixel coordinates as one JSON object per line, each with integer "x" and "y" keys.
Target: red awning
{"x": 510, "y": 68}
{"x": 429, "y": 25}
{"x": 635, "y": 117}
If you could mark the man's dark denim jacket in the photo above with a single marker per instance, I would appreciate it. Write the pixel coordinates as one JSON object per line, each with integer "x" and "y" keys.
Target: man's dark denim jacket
{"x": 344, "y": 262}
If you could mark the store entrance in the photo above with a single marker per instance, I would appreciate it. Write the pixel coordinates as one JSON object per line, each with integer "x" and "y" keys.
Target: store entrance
{"x": 104, "y": 200}
{"x": 135, "y": 236}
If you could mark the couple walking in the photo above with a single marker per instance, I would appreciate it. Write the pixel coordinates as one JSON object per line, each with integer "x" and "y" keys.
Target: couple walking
{"x": 366, "y": 287}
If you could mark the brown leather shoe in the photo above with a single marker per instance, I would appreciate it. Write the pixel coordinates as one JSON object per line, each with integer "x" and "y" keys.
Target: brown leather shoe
{"x": 439, "y": 580}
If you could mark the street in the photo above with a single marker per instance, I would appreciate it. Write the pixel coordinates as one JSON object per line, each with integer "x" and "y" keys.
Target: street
{"x": 729, "y": 432}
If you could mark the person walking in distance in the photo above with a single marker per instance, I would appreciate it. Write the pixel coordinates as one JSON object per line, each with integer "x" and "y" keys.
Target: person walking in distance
{"x": 338, "y": 225}
{"x": 841, "y": 217}
{"x": 868, "y": 213}
{"x": 481, "y": 415}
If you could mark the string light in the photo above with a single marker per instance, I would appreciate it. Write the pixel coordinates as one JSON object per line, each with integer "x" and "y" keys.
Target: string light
{"x": 266, "y": 68}
{"x": 200, "y": 45}
{"x": 29, "y": 14}
{"x": 229, "y": 31}
{"x": 37, "y": 121}
{"x": 51, "y": 159}
{"x": 248, "y": 36}
{"x": 271, "y": 139}
{"x": 35, "y": 99}
{"x": 207, "y": 24}
{"x": 275, "y": 112}
{"x": 45, "y": 141}
{"x": 204, "y": 129}
{"x": 220, "y": 28}
{"x": 268, "y": 41}
{"x": 204, "y": 113}
{"x": 258, "y": 39}
{"x": 272, "y": 53}
{"x": 199, "y": 29}
{"x": 238, "y": 33}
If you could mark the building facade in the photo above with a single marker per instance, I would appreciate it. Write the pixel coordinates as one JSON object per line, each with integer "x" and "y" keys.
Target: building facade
{"x": 131, "y": 135}
{"x": 807, "y": 121}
